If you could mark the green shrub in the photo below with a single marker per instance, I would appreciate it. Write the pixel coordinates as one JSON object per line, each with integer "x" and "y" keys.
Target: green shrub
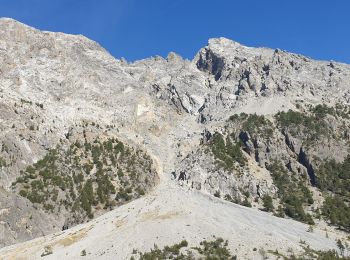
{"x": 2, "y": 162}
{"x": 293, "y": 194}
{"x": 212, "y": 250}
{"x": 23, "y": 193}
{"x": 307, "y": 127}
{"x": 255, "y": 124}
{"x": 216, "y": 249}
{"x": 87, "y": 198}
{"x": 119, "y": 148}
{"x": 337, "y": 212}
{"x": 226, "y": 153}
{"x": 237, "y": 200}
{"x": 246, "y": 203}
{"x": 63, "y": 173}
{"x": 104, "y": 188}
{"x": 286, "y": 119}
{"x": 267, "y": 200}
{"x": 321, "y": 111}
{"x": 334, "y": 177}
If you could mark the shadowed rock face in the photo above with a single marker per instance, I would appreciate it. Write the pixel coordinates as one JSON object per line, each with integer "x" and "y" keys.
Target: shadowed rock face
{"x": 303, "y": 159}
{"x": 211, "y": 63}
{"x": 53, "y": 86}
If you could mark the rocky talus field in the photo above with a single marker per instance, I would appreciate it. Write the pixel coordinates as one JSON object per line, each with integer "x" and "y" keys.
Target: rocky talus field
{"x": 240, "y": 153}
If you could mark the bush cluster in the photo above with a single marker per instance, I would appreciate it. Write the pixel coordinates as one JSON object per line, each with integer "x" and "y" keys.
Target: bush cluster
{"x": 64, "y": 176}
{"x": 293, "y": 194}
{"x": 216, "y": 249}
{"x": 333, "y": 178}
{"x": 308, "y": 127}
{"x": 226, "y": 152}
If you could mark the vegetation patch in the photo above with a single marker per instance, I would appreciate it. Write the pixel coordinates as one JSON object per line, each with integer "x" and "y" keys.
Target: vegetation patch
{"x": 337, "y": 212}
{"x": 310, "y": 253}
{"x": 87, "y": 177}
{"x": 293, "y": 194}
{"x": 226, "y": 152}
{"x": 2, "y": 162}
{"x": 333, "y": 179}
{"x": 268, "y": 203}
{"x": 254, "y": 124}
{"x": 309, "y": 126}
{"x": 245, "y": 202}
{"x": 216, "y": 249}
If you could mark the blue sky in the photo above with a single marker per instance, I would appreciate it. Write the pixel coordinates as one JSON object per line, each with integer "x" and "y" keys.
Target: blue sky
{"x": 137, "y": 29}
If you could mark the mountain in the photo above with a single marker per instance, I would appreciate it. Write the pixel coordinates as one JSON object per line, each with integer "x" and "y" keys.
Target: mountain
{"x": 101, "y": 158}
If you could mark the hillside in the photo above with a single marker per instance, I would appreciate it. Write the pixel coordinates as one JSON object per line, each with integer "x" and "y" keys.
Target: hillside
{"x": 100, "y": 156}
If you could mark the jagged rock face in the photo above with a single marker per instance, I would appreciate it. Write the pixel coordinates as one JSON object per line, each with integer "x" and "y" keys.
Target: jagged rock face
{"x": 266, "y": 72}
{"x": 52, "y": 84}
{"x": 257, "y": 156}
{"x": 20, "y": 221}
{"x": 199, "y": 171}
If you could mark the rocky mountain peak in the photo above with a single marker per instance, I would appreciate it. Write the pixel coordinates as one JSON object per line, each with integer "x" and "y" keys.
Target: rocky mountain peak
{"x": 223, "y": 44}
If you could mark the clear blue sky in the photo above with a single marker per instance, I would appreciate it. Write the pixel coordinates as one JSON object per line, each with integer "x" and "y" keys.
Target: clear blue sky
{"x": 137, "y": 29}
